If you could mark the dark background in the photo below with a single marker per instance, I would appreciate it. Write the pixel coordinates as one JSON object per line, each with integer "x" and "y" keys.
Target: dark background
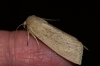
{"x": 78, "y": 18}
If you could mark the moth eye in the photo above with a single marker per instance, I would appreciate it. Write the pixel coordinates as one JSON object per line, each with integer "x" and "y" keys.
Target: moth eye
{"x": 25, "y": 26}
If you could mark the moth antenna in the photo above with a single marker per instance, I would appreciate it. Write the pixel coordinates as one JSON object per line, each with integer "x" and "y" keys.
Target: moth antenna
{"x": 52, "y": 19}
{"x": 17, "y": 28}
{"x": 85, "y": 47}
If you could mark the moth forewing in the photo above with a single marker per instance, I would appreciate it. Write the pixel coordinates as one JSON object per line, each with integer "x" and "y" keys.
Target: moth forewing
{"x": 62, "y": 43}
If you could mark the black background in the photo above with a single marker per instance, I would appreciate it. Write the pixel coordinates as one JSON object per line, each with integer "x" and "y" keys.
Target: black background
{"x": 78, "y": 18}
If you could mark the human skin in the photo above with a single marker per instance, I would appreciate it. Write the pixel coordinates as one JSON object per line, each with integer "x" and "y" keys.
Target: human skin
{"x": 14, "y": 51}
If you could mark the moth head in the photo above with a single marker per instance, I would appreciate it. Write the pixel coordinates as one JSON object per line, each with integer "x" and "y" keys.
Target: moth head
{"x": 34, "y": 20}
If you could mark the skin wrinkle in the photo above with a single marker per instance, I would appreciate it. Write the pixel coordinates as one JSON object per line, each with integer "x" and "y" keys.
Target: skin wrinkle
{"x": 2, "y": 53}
{"x": 14, "y": 57}
{"x": 16, "y": 48}
{"x": 28, "y": 57}
{"x": 24, "y": 59}
{"x": 59, "y": 63}
{"x": 33, "y": 46}
{"x": 7, "y": 50}
{"x": 40, "y": 54}
{"x": 29, "y": 52}
{"x": 12, "y": 48}
{"x": 45, "y": 56}
{"x": 45, "y": 59}
{"x": 50, "y": 59}
{"x": 4, "y": 48}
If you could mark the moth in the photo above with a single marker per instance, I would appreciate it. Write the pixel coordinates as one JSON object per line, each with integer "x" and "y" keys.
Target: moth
{"x": 60, "y": 42}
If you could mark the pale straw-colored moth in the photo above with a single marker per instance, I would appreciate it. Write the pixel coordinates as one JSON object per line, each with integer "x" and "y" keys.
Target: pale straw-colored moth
{"x": 62, "y": 43}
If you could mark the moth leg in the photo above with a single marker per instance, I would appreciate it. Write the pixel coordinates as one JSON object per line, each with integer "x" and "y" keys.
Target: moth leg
{"x": 28, "y": 38}
{"x": 35, "y": 39}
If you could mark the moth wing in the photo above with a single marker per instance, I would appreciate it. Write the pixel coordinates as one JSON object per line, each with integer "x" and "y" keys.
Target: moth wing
{"x": 62, "y": 43}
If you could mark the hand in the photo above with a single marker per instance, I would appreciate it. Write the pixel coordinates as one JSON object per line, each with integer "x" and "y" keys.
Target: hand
{"x": 14, "y": 51}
